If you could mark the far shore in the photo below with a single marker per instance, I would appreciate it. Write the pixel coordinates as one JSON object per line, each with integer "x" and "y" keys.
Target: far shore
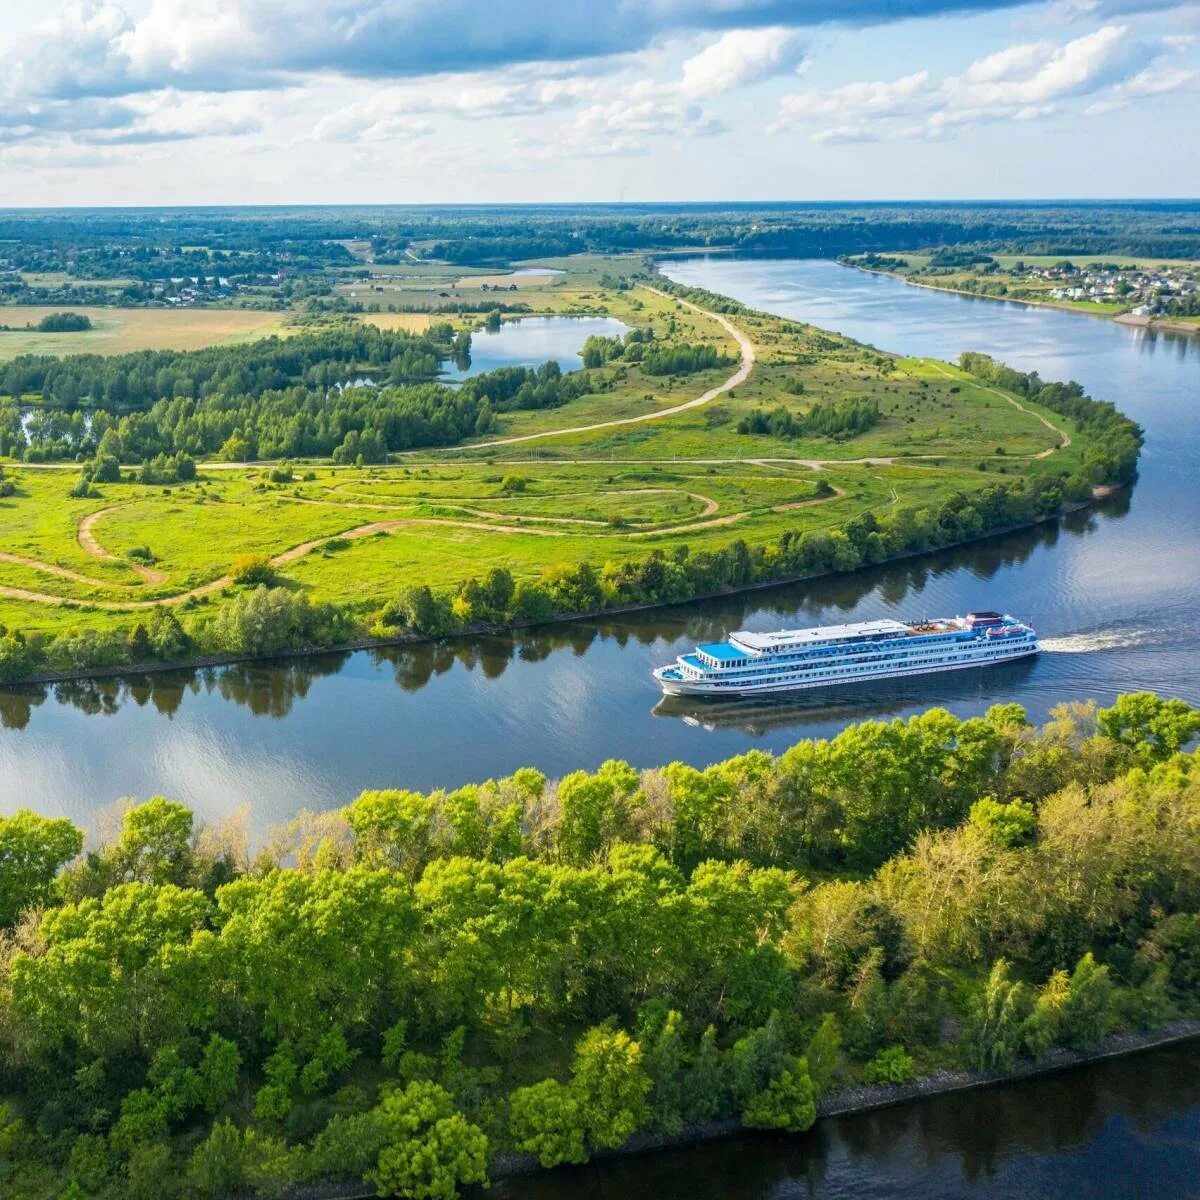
{"x": 1157, "y": 324}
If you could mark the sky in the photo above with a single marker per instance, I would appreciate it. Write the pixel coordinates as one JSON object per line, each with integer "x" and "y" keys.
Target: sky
{"x": 149, "y": 102}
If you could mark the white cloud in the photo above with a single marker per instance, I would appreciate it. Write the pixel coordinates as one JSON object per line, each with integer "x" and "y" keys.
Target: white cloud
{"x": 622, "y": 123}
{"x": 1154, "y": 81}
{"x": 883, "y": 98}
{"x": 1025, "y": 82}
{"x": 740, "y": 57}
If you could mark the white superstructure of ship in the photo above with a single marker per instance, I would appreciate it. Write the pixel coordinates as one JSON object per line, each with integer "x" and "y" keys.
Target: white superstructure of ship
{"x": 753, "y": 663}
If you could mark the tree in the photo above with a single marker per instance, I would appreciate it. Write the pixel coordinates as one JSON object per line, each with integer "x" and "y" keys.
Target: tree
{"x": 1152, "y": 727}
{"x": 593, "y": 809}
{"x": 393, "y": 829}
{"x": 993, "y": 1031}
{"x": 429, "y": 1149}
{"x": 167, "y": 637}
{"x": 215, "y": 1168}
{"x": 611, "y": 1085}
{"x": 755, "y": 1060}
{"x": 546, "y": 1119}
{"x": 235, "y": 448}
{"x": 32, "y": 849}
{"x": 1004, "y": 825}
{"x": 703, "y": 1091}
{"x": 824, "y": 1053}
{"x": 1088, "y": 1011}
{"x": 869, "y": 1006}
{"x": 787, "y": 1102}
{"x": 155, "y": 845}
{"x": 660, "y": 1034}
{"x": 146, "y": 1169}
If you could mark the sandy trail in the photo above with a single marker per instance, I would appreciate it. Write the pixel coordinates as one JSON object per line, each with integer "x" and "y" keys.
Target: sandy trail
{"x": 1064, "y": 436}
{"x": 739, "y": 376}
{"x": 88, "y": 543}
{"x": 361, "y": 531}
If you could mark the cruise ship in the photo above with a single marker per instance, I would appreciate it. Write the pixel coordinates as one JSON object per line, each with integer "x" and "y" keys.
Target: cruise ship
{"x": 753, "y": 663}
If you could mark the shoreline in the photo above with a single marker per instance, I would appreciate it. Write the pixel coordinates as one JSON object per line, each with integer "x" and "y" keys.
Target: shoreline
{"x": 1155, "y": 324}
{"x": 1057, "y": 305}
{"x": 200, "y": 662}
{"x": 849, "y": 1101}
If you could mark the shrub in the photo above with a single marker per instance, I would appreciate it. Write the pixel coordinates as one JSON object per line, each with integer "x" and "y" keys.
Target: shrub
{"x": 891, "y": 1065}
{"x": 252, "y": 570}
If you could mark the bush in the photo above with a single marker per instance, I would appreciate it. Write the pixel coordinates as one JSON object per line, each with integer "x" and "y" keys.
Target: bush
{"x": 252, "y": 570}
{"x": 788, "y": 1102}
{"x": 64, "y": 322}
{"x": 892, "y": 1065}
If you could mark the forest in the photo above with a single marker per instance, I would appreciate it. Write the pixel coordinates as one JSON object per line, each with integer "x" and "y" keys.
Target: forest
{"x": 419, "y": 988}
{"x": 348, "y": 392}
{"x": 116, "y": 256}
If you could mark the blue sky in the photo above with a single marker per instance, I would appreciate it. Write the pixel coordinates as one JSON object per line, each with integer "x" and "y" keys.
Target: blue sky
{"x": 412, "y": 101}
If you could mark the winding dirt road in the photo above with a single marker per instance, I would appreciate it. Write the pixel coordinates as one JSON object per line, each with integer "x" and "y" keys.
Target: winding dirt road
{"x": 739, "y": 376}
{"x": 87, "y": 542}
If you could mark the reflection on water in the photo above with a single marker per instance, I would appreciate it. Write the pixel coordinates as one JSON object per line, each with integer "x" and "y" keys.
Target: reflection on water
{"x": 1123, "y": 1128}
{"x": 271, "y": 688}
{"x": 531, "y": 341}
{"x": 1111, "y": 590}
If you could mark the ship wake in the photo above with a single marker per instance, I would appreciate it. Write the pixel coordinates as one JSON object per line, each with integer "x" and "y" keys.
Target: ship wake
{"x": 1100, "y": 639}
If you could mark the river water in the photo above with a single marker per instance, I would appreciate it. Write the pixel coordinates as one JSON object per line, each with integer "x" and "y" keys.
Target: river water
{"x": 1117, "y": 1130}
{"x": 1113, "y": 592}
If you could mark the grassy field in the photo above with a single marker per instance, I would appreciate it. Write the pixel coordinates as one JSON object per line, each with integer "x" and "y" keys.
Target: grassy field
{"x": 439, "y": 516}
{"x": 119, "y": 330}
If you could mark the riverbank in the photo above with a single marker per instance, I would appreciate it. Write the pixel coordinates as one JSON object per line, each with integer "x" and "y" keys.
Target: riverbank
{"x": 844, "y": 1102}
{"x": 933, "y": 287}
{"x": 409, "y": 638}
{"x": 1156, "y": 324}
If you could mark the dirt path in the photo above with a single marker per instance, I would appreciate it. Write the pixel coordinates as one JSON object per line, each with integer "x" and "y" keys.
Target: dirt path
{"x": 36, "y": 564}
{"x": 1064, "y": 436}
{"x": 361, "y": 531}
{"x": 739, "y": 376}
{"x": 88, "y": 543}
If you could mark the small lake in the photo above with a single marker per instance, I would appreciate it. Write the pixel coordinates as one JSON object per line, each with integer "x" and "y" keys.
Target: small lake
{"x": 531, "y": 341}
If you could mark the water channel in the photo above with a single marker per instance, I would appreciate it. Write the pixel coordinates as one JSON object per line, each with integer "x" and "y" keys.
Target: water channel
{"x": 1113, "y": 592}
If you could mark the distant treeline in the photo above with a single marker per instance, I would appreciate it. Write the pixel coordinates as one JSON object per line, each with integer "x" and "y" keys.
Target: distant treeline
{"x": 346, "y": 422}
{"x": 137, "y": 380}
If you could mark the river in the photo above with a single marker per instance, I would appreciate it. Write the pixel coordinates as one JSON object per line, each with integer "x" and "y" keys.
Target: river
{"x": 1116, "y": 1130}
{"x": 1113, "y": 592}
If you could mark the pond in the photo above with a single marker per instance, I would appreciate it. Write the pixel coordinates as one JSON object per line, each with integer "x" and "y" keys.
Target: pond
{"x": 531, "y": 341}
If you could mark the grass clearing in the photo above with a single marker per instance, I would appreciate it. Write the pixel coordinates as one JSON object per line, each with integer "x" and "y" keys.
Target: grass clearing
{"x": 120, "y": 330}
